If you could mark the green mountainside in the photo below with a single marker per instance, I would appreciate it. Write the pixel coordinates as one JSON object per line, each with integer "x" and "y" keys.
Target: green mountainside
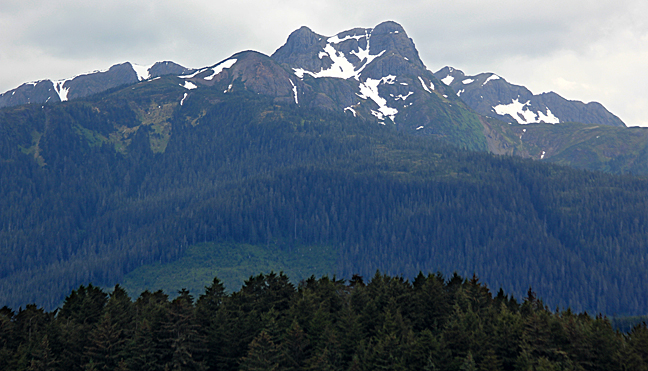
{"x": 110, "y": 187}
{"x": 172, "y": 180}
{"x": 587, "y": 146}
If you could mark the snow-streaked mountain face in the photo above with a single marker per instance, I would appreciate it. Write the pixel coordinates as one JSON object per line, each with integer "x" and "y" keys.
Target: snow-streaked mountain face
{"x": 491, "y": 95}
{"x": 370, "y": 73}
{"x": 373, "y": 73}
{"x": 49, "y": 91}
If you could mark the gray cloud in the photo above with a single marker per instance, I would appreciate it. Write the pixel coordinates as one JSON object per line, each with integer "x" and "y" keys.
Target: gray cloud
{"x": 582, "y": 50}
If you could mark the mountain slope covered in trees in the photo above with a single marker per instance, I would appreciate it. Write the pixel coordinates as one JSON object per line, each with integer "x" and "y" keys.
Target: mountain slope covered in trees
{"x": 93, "y": 189}
{"x": 279, "y": 155}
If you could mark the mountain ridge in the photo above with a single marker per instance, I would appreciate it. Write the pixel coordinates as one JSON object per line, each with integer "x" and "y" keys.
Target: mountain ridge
{"x": 83, "y": 85}
{"x": 374, "y": 74}
{"x": 491, "y": 95}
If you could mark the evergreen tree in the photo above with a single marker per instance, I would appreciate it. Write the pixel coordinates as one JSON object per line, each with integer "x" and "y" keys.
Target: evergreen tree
{"x": 263, "y": 355}
{"x": 181, "y": 335}
{"x": 295, "y": 348}
{"x": 109, "y": 340}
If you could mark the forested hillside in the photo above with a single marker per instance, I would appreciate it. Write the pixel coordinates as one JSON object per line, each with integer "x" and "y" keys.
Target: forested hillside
{"x": 430, "y": 323}
{"x": 92, "y": 189}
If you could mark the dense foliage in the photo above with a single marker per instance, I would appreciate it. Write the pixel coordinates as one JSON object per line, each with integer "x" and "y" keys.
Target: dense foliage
{"x": 390, "y": 323}
{"x": 82, "y": 203}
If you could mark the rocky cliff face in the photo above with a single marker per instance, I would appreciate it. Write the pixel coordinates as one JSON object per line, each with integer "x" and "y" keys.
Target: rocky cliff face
{"x": 491, "y": 95}
{"x": 377, "y": 74}
{"x": 374, "y": 74}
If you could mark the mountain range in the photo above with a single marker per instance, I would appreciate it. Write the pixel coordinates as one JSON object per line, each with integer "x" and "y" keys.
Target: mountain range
{"x": 346, "y": 56}
{"x": 345, "y": 145}
{"x": 376, "y": 74}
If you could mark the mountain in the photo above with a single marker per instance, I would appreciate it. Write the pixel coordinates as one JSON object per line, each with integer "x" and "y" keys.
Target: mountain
{"x": 373, "y": 74}
{"x": 263, "y": 159}
{"x": 548, "y": 127}
{"x": 46, "y": 91}
{"x": 491, "y": 95}
{"x": 377, "y": 72}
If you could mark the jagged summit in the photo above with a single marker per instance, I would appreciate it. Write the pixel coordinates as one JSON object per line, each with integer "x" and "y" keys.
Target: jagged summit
{"x": 348, "y": 53}
{"x": 372, "y": 73}
{"x": 299, "y": 41}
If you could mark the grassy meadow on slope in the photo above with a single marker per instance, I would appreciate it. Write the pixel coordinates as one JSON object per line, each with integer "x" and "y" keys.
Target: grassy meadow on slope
{"x": 232, "y": 263}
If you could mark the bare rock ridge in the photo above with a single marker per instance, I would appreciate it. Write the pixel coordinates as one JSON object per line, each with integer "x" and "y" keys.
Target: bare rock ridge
{"x": 491, "y": 95}
{"x": 48, "y": 91}
{"x": 249, "y": 70}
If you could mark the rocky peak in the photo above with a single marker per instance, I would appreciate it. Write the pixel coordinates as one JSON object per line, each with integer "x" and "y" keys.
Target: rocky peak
{"x": 300, "y": 48}
{"x": 391, "y": 37}
{"x": 348, "y": 53}
{"x": 167, "y": 68}
{"x": 249, "y": 70}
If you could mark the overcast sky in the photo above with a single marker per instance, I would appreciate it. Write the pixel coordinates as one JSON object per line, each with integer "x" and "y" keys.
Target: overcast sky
{"x": 582, "y": 50}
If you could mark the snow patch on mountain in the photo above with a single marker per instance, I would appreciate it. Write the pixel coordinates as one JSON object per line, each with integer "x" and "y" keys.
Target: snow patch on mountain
{"x": 467, "y": 81}
{"x": 549, "y": 118}
{"x": 183, "y": 98}
{"x": 294, "y": 88}
{"x": 336, "y": 39}
{"x": 523, "y": 115}
{"x": 403, "y": 97}
{"x": 516, "y": 110}
{"x": 425, "y": 87}
{"x": 350, "y": 109}
{"x": 141, "y": 71}
{"x": 447, "y": 80}
{"x": 369, "y": 90}
{"x": 491, "y": 78}
{"x": 191, "y": 76}
{"x": 342, "y": 68}
{"x": 189, "y": 85}
{"x": 60, "y": 90}
{"x": 220, "y": 67}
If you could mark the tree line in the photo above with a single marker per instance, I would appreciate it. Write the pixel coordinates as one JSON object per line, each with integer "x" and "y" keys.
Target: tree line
{"x": 390, "y": 323}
